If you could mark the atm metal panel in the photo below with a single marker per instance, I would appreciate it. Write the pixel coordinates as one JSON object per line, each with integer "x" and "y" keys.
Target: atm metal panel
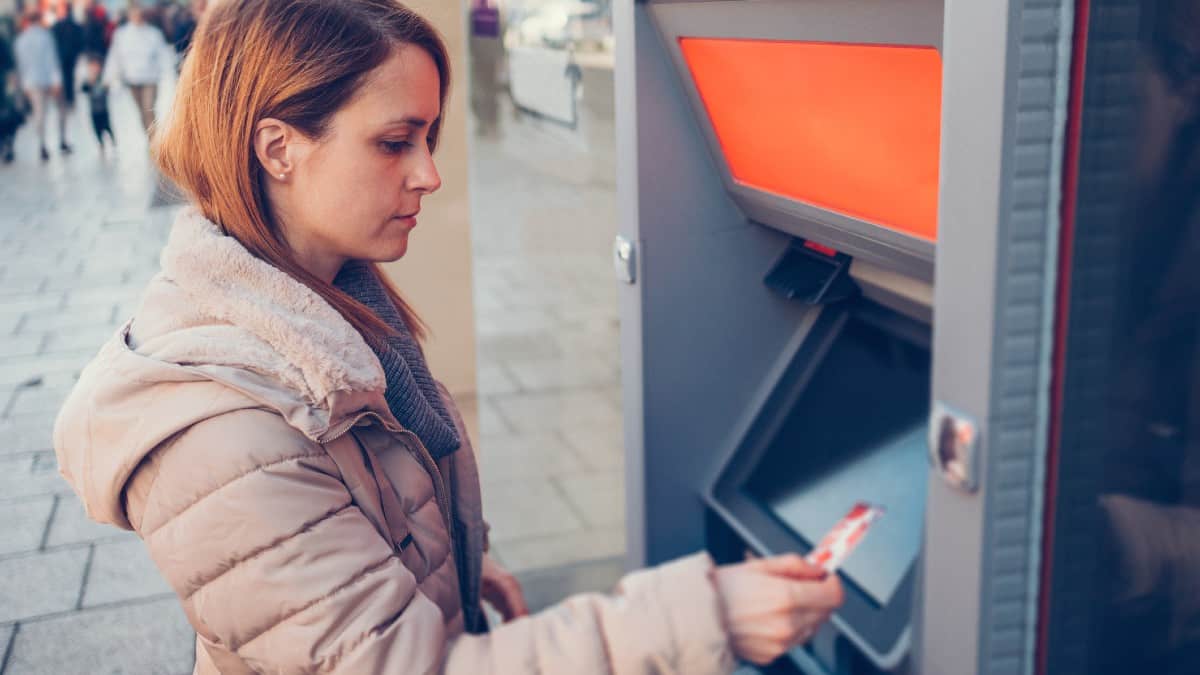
{"x": 860, "y": 239}
{"x": 879, "y": 630}
{"x": 1004, "y": 113}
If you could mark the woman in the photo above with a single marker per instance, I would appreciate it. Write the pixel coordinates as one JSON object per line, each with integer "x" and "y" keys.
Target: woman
{"x": 135, "y": 59}
{"x": 40, "y": 77}
{"x": 266, "y": 422}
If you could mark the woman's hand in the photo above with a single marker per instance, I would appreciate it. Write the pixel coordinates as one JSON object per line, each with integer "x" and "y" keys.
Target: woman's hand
{"x": 773, "y": 604}
{"x": 502, "y": 591}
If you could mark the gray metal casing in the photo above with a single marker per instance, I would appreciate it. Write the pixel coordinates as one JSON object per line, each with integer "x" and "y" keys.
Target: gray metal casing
{"x": 1004, "y": 109}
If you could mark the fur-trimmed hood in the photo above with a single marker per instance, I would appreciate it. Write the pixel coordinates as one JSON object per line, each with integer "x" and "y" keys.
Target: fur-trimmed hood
{"x": 237, "y": 310}
{"x": 235, "y": 330}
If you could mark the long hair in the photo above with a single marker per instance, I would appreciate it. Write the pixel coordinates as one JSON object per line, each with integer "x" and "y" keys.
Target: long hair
{"x": 298, "y": 61}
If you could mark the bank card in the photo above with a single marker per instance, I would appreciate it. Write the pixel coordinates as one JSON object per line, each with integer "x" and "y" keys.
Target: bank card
{"x": 836, "y": 546}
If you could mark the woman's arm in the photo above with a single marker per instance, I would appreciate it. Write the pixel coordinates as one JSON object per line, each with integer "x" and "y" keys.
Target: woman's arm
{"x": 254, "y": 528}
{"x": 665, "y": 619}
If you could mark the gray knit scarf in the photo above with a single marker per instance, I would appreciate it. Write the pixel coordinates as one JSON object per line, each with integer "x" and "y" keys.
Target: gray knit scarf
{"x": 412, "y": 394}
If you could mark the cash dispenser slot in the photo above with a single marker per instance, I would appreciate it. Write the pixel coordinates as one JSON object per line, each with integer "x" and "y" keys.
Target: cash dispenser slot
{"x": 812, "y": 273}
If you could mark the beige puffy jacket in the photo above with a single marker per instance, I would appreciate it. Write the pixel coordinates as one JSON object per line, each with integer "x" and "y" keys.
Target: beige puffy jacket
{"x": 238, "y": 425}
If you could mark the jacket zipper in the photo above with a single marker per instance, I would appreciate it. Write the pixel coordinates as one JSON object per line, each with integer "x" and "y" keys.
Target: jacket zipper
{"x": 439, "y": 484}
{"x": 422, "y": 454}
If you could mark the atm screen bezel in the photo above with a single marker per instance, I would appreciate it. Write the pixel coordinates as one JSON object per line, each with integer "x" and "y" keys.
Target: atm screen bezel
{"x": 904, "y": 23}
{"x": 881, "y": 631}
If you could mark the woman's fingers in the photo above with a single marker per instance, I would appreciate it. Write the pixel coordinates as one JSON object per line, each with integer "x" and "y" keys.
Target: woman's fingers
{"x": 773, "y": 604}
{"x": 504, "y": 593}
{"x": 768, "y": 639}
{"x": 775, "y": 592}
{"x": 515, "y": 597}
{"x": 790, "y": 565}
{"x": 824, "y": 596}
{"x": 760, "y": 653}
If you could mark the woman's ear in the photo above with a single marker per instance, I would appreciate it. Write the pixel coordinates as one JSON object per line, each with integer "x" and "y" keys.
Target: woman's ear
{"x": 272, "y": 141}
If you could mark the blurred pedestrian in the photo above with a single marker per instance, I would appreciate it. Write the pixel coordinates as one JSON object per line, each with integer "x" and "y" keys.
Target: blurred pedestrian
{"x": 69, "y": 39}
{"x": 41, "y": 77}
{"x": 96, "y": 30}
{"x": 161, "y": 16}
{"x": 97, "y": 91}
{"x": 186, "y": 26}
{"x": 136, "y": 60}
{"x": 12, "y": 113}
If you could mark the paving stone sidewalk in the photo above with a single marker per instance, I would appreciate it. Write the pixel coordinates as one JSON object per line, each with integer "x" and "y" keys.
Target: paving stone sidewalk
{"x": 79, "y": 237}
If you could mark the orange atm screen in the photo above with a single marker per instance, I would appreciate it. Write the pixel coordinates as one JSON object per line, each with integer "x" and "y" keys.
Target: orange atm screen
{"x": 849, "y": 127}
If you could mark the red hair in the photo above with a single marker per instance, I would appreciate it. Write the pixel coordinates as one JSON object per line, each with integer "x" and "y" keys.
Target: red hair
{"x": 298, "y": 61}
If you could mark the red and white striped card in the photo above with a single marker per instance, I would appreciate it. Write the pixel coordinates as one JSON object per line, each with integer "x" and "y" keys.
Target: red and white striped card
{"x": 841, "y": 541}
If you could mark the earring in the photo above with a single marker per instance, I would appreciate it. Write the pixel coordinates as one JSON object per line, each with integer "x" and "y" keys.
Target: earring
{"x": 282, "y": 176}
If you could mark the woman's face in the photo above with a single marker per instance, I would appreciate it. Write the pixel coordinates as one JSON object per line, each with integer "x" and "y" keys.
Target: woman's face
{"x": 355, "y": 193}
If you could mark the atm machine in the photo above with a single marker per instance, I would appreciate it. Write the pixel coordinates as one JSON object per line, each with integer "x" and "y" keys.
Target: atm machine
{"x": 838, "y": 231}
{"x": 938, "y": 255}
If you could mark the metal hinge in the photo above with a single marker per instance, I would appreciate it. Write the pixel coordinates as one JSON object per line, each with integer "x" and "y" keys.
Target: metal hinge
{"x": 624, "y": 259}
{"x": 954, "y": 447}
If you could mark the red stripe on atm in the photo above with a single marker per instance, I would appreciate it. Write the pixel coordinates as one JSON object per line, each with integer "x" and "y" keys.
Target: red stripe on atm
{"x": 820, "y": 248}
{"x": 1062, "y": 313}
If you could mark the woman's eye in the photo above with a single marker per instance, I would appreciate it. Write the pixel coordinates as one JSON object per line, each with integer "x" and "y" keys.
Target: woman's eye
{"x": 394, "y": 147}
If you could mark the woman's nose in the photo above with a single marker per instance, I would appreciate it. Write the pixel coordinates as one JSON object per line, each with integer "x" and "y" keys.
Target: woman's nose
{"x": 424, "y": 177}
